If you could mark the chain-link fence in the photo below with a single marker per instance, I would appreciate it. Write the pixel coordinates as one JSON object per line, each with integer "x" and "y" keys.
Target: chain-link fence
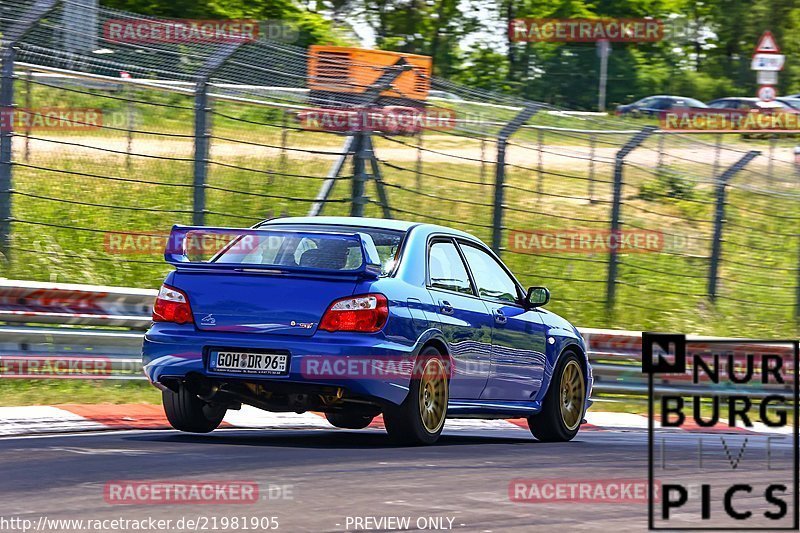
{"x": 628, "y": 225}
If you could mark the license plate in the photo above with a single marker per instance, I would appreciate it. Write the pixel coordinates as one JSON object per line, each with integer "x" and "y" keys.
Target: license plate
{"x": 249, "y": 363}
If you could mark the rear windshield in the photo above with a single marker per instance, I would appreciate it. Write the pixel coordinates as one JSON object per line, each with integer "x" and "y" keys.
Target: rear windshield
{"x": 316, "y": 252}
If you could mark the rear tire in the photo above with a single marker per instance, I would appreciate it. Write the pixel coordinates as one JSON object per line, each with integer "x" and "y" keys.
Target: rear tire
{"x": 564, "y": 404}
{"x": 348, "y": 420}
{"x": 420, "y": 418}
{"x": 186, "y": 412}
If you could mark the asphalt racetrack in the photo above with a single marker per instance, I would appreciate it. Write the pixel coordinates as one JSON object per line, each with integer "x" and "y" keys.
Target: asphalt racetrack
{"x": 328, "y": 480}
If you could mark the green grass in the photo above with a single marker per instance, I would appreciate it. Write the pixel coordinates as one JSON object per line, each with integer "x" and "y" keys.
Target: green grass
{"x": 59, "y": 391}
{"x": 62, "y": 216}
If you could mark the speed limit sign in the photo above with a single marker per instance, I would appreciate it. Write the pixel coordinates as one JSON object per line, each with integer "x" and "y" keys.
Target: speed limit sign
{"x": 767, "y": 93}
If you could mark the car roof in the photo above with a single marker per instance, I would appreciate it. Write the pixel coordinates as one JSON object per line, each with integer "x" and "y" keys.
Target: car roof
{"x": 742, "y": 98}
{"x": 378, "y": 223}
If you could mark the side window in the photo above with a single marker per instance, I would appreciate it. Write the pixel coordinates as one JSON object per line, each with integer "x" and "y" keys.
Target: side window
{"x": 661, "y": 103}
{"x": 492, "y": 280}
{"x": 446, "y": 269}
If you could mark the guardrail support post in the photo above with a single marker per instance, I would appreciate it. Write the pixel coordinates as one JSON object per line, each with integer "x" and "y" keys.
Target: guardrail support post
{"x": 500, "y": 172}
{"x": 613, "y": 258}
{"x": 11, "y": 37}
{"x": 202, "y": 131}
{"x": 719, "y": 219}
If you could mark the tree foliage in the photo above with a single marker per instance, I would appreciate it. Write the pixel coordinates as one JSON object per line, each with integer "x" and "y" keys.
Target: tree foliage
{"x": 705, "y": 54}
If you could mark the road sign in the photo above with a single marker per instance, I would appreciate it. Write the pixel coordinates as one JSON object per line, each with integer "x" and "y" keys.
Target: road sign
{"x": 767, "y": 44}
{"x": 768, "y": 62}
{"x": 767, "y": 77}
{"x": 767, "y": 93}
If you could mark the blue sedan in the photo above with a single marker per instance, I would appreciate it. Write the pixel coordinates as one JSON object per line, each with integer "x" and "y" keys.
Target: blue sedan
{"x": 356, "y": 318}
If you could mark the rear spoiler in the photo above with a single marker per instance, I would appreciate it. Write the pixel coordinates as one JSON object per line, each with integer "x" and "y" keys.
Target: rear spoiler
{"x": 176, "y": 250}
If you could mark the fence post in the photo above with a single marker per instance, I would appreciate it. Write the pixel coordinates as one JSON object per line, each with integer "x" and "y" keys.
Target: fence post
{"x": 359, "y": 174}
{"x": 539, "y": 164}
{"x": 28, "y": 105}
{"x": 717, "y": 154}
{"x": 201, "y": 127}
{"x": 719, "y": 219}
{"x": 592, "y": 146}
{"x": 418, "y": 168}
{"x": 619, "y": 161}
{"x": 13, "y": 34}
{"x": 500, "y": 172}
{"x": 483, "y": 160}
{"x": 330, "y": 180}
{"x": 773, "y": 140}
{"x": 660, "y": 163}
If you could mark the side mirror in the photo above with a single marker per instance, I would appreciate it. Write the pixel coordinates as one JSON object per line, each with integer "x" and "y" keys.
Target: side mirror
{"x": 537, "y": 297}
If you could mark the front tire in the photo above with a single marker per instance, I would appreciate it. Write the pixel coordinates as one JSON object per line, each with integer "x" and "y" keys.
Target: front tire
{"x": 186, "y": 412}
{"x": 348, "y": 420}
{"x": 563, "y": 407}
{"x": 420, "y": 418}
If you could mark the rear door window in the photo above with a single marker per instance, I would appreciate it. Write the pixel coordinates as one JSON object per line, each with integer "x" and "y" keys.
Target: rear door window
{"x": 446, "y": 270}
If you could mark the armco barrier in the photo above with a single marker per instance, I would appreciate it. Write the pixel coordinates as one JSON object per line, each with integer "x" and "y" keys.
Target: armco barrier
{"x": 59, "y": 303}
{"x": 36, "y": 351}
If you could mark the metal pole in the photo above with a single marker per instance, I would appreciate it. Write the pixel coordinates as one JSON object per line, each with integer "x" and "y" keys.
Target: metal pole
{"x": 500, "y": 173}
{"x": 719, "y": 219}
{"x": 483, "y": 159}
{"x": 333, "y": 174}
{"x": 383, "y": 199}
{"x": 770, "y": 163}
{"x": 603, "y": 48}
{"x": 613, "y": 258}
{"x": 202, "y": 131}
{"x": 201, "y": 134}
{"x": 592, "y": 146}
{"x": 28, "y": 105}
{"x": 540, "y": 165}
{"x": 6, "y": 139}
{"x": 359, "y": 175}
{"x": 419, "y": 162}
{"x": 717, "y": 154}
{"x": 284, "y": 159}
{"x": 11, "y": 36}
{"x": 129, "y": 121}
{"x": 660, "y": 162}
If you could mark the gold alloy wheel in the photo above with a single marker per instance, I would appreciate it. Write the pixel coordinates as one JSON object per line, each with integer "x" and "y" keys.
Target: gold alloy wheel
{"x": 433, "y": 395}
{"x": 573, "y": 394}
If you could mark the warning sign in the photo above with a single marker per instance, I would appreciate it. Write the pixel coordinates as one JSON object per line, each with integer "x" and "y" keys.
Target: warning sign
{"x": 767, "y": 44}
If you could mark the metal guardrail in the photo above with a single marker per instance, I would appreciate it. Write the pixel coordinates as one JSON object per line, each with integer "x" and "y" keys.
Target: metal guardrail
{"x": 75, "y": 351}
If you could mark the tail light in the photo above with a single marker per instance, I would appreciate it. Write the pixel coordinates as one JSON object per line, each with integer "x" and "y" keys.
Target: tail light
{"x": 172, "y": 305}
{"x": 365, "y": 314}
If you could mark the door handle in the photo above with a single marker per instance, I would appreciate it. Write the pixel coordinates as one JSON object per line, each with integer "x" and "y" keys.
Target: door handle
{"x": 446, "y": 308}
{"x": 499, "y": 317}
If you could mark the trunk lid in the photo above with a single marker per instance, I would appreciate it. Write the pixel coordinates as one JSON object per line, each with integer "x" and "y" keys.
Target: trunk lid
{"x": 267, "y": 281}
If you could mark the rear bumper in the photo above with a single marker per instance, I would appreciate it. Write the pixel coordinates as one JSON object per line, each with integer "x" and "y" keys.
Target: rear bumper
{"x": 172, "y": 351}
